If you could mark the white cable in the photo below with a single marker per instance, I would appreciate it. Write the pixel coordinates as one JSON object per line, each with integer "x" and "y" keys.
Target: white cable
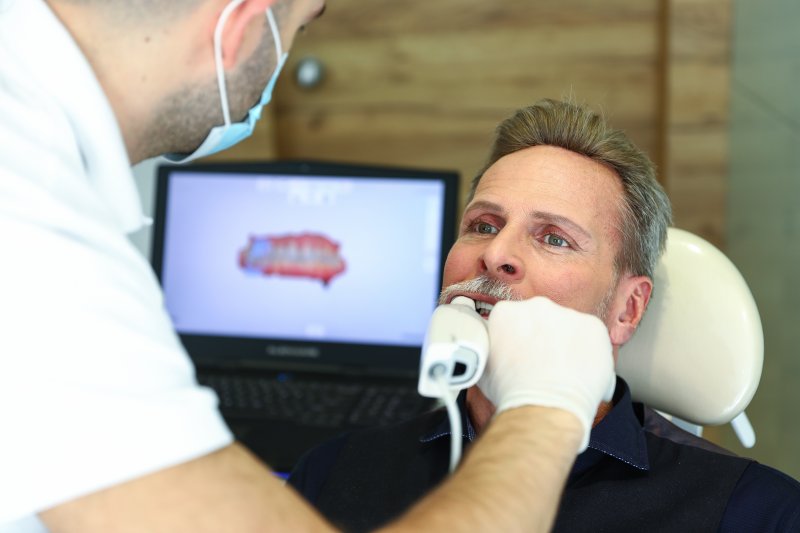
{"x": 438, "y": 373}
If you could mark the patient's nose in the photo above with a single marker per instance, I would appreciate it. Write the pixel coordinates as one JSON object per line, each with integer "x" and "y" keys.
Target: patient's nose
{"x": 501, "y": 258}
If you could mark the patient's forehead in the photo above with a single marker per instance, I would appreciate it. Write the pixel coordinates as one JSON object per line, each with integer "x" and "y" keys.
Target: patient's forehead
{"x": 555, "y": 180}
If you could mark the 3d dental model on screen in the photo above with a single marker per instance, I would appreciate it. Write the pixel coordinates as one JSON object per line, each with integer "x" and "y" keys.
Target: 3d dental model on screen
{"x": 304, "y": 255}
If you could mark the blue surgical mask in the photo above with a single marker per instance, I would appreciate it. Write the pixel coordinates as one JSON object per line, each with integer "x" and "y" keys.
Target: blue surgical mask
{"x": 228, "y": 134}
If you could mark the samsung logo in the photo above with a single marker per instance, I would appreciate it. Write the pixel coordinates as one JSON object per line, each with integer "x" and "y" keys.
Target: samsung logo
{"x": 282, "y": 350}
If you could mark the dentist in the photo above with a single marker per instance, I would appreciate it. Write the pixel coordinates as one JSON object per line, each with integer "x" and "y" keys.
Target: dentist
{"x": 104, "y": 427}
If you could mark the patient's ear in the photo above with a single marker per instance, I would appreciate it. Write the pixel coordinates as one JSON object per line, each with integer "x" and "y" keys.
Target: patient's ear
{"x": 627, "y": 309}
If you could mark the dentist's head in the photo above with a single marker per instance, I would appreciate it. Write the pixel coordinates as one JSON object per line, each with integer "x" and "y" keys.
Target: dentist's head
{"x": 186, "y": 77}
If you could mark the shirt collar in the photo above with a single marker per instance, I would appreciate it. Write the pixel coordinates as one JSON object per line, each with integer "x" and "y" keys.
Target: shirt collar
{"x": 619, "y": 435}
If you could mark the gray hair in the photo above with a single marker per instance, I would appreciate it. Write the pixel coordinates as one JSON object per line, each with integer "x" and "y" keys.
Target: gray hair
{"x": 645, "y": 211}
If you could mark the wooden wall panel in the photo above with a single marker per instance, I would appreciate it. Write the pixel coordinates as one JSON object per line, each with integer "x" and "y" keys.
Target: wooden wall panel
{"x": 424, "y": 84}
{"x": 698, "y": 87}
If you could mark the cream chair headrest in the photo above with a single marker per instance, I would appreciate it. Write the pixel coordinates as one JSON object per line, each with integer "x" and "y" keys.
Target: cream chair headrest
{"x": 699, "y": 349}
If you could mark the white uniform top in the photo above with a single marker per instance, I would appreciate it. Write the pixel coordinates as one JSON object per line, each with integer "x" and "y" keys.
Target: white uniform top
{"x": 95, "y": 388}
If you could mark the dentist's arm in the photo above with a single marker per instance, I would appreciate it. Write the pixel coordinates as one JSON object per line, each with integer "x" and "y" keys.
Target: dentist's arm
{"x": 548, "y": 370}
{"x": 511, "y": 480}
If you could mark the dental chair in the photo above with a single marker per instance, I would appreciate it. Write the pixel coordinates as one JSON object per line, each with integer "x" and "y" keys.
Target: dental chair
{"x": 698, "y": 352}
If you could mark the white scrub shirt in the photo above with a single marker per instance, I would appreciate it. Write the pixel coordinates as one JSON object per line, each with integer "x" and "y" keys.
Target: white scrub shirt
{"x": 95, "y": 388}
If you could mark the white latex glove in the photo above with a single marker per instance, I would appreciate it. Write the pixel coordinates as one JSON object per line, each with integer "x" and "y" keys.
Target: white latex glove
{"x": 542, "y": 353}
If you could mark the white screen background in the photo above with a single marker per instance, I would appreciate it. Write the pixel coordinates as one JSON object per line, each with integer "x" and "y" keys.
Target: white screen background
{"x": 389, "y": 231}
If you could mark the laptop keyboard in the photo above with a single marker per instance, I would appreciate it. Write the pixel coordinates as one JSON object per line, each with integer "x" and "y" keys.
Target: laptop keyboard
{"x": 315, "y": 403}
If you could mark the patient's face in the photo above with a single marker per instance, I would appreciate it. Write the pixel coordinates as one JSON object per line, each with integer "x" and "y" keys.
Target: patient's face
{"x": 544, "y": 221}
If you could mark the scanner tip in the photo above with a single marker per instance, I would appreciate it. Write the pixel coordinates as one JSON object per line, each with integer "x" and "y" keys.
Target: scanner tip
{"x": 463, "y": 300}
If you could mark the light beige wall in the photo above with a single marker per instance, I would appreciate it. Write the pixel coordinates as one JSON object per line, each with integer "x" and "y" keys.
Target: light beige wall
{"x": 763, "y": 229}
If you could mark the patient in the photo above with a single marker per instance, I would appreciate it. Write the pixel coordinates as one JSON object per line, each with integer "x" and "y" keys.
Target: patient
{"x": 570, "y": 209}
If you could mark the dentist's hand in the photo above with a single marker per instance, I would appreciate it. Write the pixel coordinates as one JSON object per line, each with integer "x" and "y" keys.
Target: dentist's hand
{"x": 544, "y": 354}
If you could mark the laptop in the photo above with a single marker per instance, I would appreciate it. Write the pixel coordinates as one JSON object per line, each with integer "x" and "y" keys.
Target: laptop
{"x": 302, "y": 291}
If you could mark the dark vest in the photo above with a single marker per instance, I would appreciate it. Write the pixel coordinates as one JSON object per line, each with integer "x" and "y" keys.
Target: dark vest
{"x": 381, "y": 473}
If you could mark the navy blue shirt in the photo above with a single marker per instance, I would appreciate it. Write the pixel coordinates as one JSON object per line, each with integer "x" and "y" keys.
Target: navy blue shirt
{"x": 759, "y": 498}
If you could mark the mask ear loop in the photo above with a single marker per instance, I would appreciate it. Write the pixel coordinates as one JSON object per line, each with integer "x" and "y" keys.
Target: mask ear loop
{"x": 276, "y": 35}
{"x": 223, "y": 92}
{"x": 223, "y": 18}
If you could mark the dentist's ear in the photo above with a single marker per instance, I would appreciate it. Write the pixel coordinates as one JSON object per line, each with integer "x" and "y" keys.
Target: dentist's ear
{"x": 627, "y": 308}
{"x": 240, "y": 18}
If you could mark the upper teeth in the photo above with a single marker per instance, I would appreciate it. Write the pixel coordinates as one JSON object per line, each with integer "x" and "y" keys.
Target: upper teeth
{"x": 483, "y": 306}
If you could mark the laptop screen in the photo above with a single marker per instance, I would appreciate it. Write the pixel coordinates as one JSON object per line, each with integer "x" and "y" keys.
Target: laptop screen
{"x": 302, "y": 261}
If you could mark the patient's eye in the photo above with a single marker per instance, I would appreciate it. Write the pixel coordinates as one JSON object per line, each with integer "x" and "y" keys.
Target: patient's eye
{"x": 485, "y": 227}
{"x": 479, "y": 223}
{"x": 556, "y": 240}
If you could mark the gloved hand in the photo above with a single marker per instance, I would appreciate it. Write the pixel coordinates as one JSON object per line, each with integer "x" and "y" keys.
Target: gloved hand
{"x": 542, "y": 353}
